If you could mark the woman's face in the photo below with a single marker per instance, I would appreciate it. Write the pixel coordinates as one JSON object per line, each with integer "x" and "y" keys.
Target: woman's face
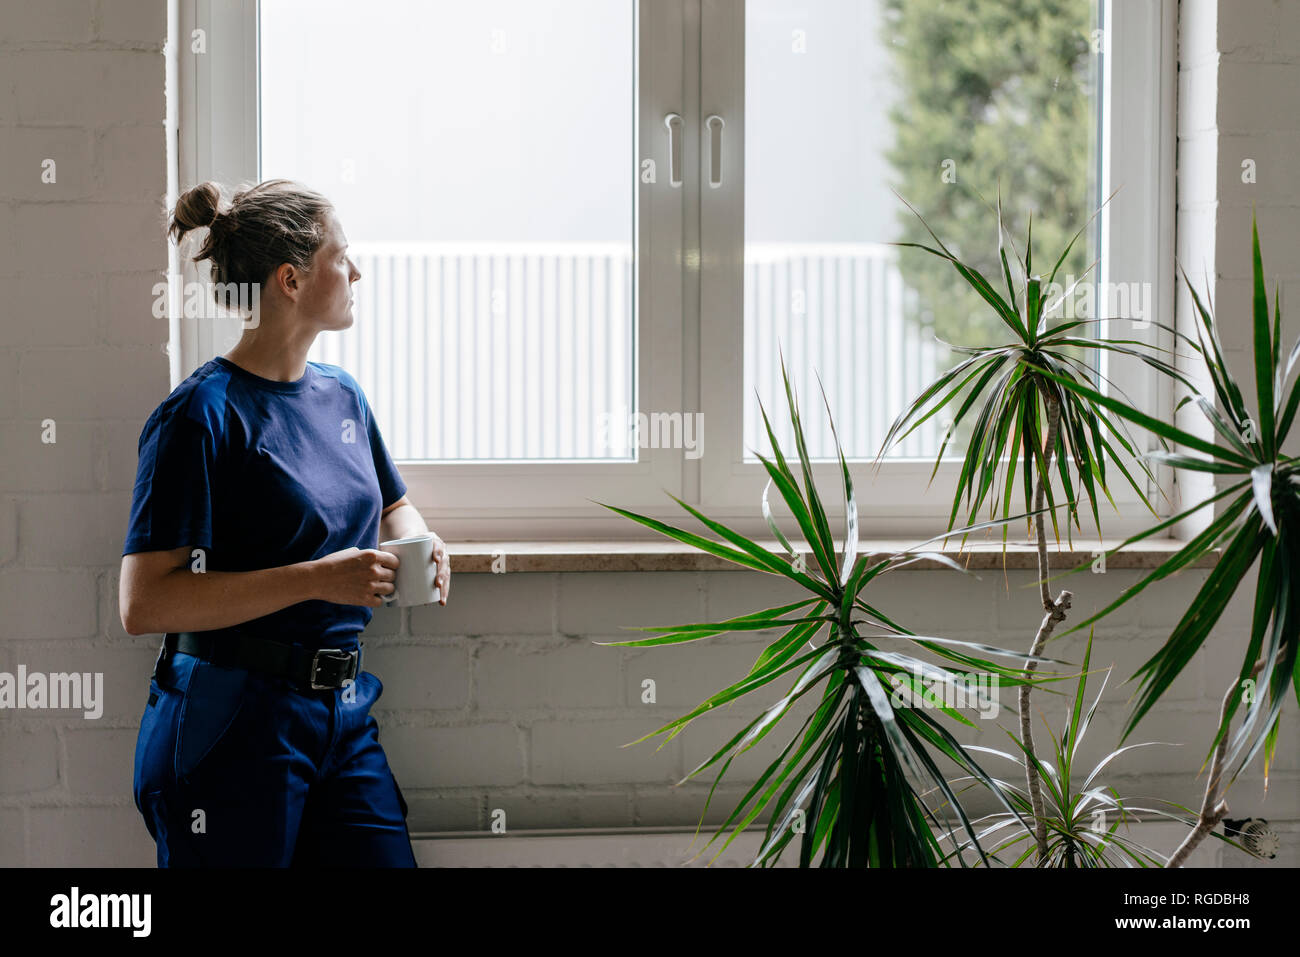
{"x": 327, "y": 290}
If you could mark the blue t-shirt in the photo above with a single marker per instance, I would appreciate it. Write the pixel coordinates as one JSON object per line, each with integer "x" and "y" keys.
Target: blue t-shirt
{"x": 259, "y": 474}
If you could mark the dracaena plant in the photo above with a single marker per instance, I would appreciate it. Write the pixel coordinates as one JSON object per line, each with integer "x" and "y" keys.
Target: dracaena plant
{"x": 1258, "y": 519}
{"x": 1027, "y": 420}
{"x": 1087, "y": 821}
{"x": 851, "y": 774}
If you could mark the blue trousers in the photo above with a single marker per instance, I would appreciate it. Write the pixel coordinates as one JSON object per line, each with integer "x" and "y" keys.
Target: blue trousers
{"x": 235, "y": 768}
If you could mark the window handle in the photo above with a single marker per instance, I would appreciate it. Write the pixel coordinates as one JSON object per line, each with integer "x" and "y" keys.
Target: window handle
{"x": 714, "y": 124}
{"x": 674, "y": 123}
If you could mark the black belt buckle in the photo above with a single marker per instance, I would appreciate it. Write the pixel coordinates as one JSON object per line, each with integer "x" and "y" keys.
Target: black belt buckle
{"x": 338, "y": 662}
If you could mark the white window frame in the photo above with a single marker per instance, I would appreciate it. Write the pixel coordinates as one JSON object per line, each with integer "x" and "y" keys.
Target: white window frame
{"x": 689, "y": 259}
{"x": 1138, "y": 82}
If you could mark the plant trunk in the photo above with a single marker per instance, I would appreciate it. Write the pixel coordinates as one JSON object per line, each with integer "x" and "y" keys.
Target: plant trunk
{"x": 1212, "y": 810}
{"x": 1054, "y": 613}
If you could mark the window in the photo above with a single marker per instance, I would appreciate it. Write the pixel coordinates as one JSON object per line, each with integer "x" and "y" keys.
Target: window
{"x": 487, "y": 206}
{"x": 585, "y": 227}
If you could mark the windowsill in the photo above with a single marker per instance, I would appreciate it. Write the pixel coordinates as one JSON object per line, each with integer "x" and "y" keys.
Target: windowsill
{"x": 673, "y": 556}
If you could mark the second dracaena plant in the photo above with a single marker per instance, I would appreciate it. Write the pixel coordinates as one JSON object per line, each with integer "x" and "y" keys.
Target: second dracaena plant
{"x": 1027, "y": 422}
{"x": 851, "y": 772}
{"x": 1258, "y": 518}
{"x": 1087, "y": 820}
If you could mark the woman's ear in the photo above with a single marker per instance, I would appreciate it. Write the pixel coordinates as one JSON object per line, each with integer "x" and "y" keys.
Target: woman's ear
{"x": 287, "y": 278}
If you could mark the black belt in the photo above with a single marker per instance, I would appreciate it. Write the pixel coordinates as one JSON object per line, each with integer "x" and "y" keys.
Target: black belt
{"x": 317, "y": 668}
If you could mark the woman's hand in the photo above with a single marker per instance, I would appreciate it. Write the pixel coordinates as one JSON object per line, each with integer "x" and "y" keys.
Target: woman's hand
{"x": 403, "y": 520}
{"x": 443, "y": 561}
{"x": 355, "y": 576}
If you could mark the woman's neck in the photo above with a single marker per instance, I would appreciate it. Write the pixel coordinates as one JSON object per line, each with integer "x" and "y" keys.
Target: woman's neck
{"x": 279, "y": 358}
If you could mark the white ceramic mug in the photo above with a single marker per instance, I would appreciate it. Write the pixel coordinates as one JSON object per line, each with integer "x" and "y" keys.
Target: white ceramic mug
{"x": 416, "y": 574}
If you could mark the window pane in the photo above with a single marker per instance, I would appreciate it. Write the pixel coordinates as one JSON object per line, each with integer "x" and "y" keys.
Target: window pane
{"x": 481, "y": 159}
{"x": 937, "y": 99}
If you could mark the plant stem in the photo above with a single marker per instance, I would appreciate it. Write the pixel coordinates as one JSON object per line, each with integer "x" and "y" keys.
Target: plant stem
{"x": 1055, "y": 612}
{"x": 1212, "y": 810}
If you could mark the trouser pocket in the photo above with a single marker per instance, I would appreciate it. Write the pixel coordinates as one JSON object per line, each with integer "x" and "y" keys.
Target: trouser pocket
{"x": 155, "y": 744}
{"x": 210, "y": 705}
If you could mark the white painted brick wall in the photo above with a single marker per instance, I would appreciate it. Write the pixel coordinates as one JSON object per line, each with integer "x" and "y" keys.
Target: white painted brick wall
{"x": 45, "y": 24}
{"x": 44, "y": 602}
{"x": 68, "y": 463}
{"x": 126, "y": 318}
{"x": 1256, "y": 116}
{"x": 66, "y": 309}
{"x": 8, "y": 530}
{"x": 82, "y": 83}
{"x": 500, "y": 700}
{"x": 28, "y": 148}
{"x": 565, "y": 740}
{"x": 34, "y": 751}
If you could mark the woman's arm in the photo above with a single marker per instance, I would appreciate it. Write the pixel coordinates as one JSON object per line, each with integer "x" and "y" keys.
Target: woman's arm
{"x": 161, "y": 592}
{"x": 402, "y": 520}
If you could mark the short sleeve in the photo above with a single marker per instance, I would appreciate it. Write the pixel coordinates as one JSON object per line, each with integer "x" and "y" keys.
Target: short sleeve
{"x": 391, "y": 486}
{"x": 171, "y": 505}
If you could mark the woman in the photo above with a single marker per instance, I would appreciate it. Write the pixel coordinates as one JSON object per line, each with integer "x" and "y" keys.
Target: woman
{"x": 263, "y": 488}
